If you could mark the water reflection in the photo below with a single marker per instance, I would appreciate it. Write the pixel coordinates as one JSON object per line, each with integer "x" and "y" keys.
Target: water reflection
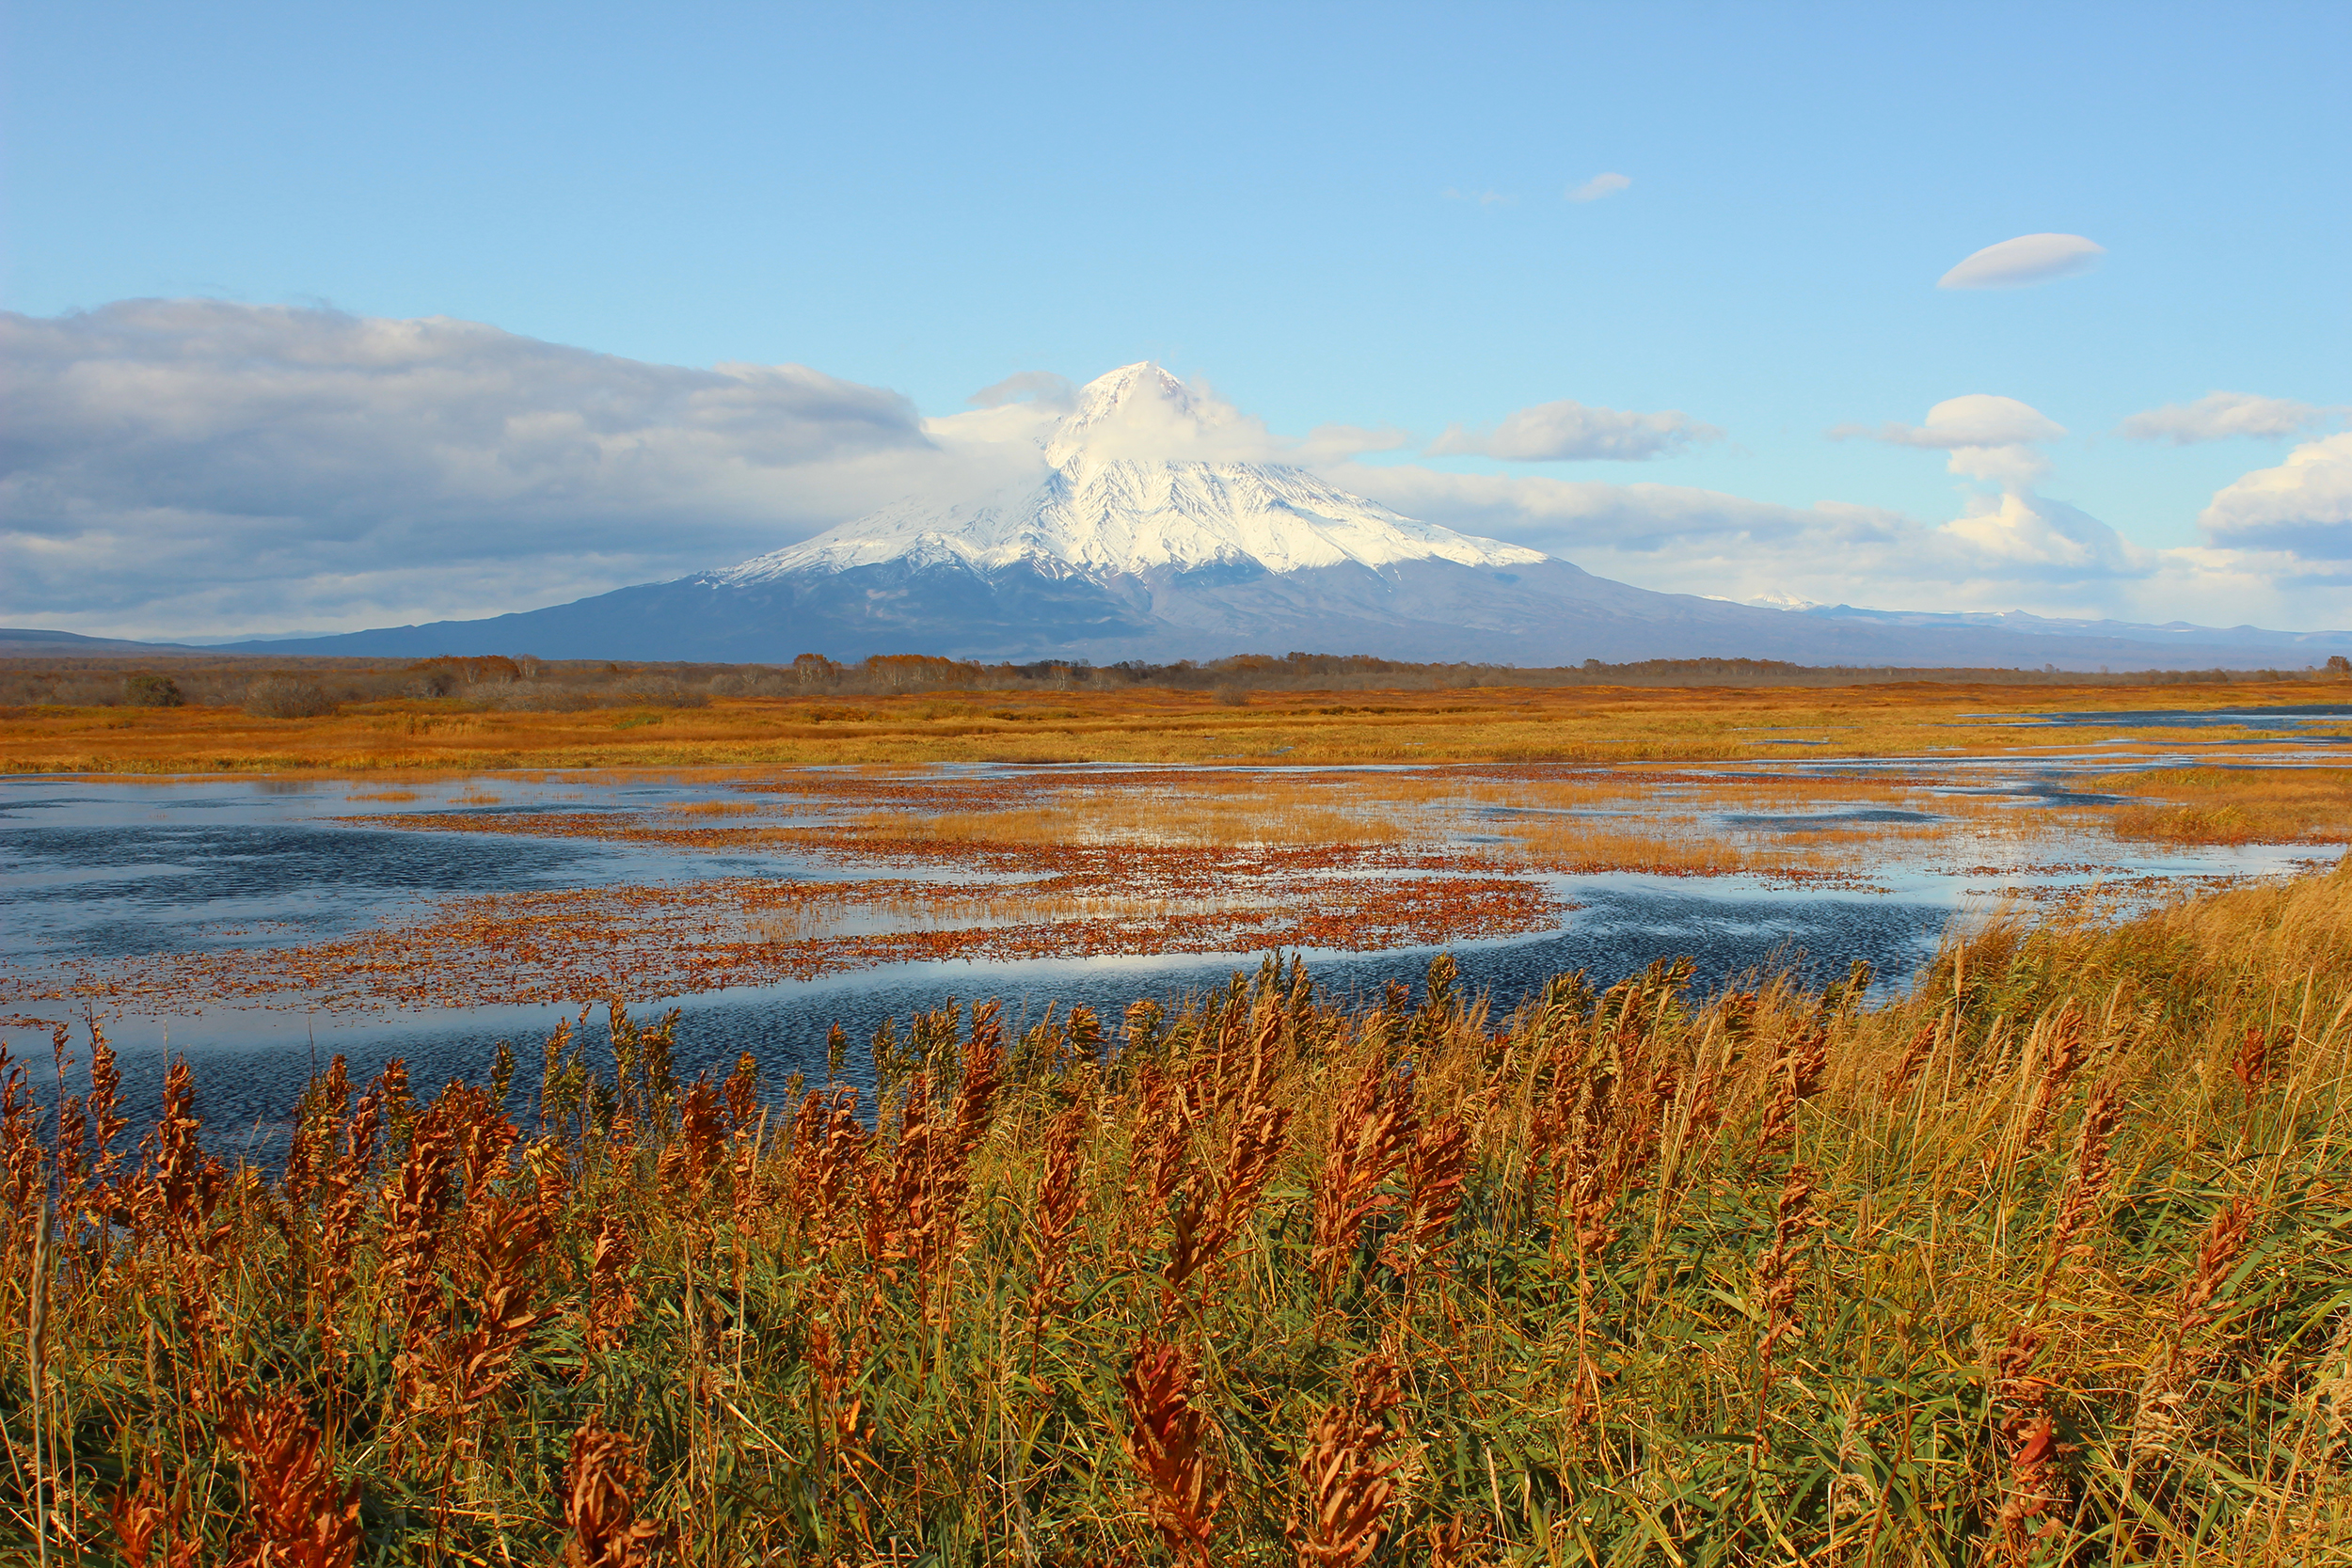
{"x": 115, "y": 871}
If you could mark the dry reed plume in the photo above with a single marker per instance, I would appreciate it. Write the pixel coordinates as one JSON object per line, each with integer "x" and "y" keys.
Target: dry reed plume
{"x": 2040, "y": 1263}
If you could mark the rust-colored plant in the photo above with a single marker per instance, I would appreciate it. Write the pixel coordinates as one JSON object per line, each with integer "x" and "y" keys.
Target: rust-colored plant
{"x": 1796, "y": 1078}
{"x": 1205, "y": 1221}
{"x": 1373, "y": 1131}
{"x": 149, "y": 1524}
{"x": 829, "y": 1156}
{"x": 1435, "y": 1172}
{"x": 2034, "y": 1487}
{"x": 2252, "y": 1064}
{"x": 611, "y": 1291}
{"x": 302, "y": 1516}
{"x": 1166, "y": 1441}
{"x": 2160, "y": 1425}
{"x": 1781, "y": 1271}
{"x": 2090, "y": 1179}
{"x": 600, "y": 1487}
{"x": 1348, "y": 1478}
{"x": 1053, "y": 1216}
{"x": 2063, "y": 1050}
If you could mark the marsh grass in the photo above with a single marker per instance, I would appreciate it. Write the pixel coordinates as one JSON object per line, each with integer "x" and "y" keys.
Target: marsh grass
{"x": 1544, "y": 819}
{"x": 831, "y": 911}
{"x": 712, "y": 808}
{"x": 1490, "y": 722}
{"x": 2045, "y": 1262}
{"x": 2233, "y": 805}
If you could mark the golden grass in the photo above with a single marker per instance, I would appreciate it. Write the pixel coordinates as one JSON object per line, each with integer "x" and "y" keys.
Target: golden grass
{"x": 2045, "y": 1263}
{"x": 2233, "y": 805}
{"x": 1585, "y": 724}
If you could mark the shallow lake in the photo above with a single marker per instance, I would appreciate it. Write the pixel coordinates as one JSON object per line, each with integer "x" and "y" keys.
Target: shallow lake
{"x": 106, "y": 876}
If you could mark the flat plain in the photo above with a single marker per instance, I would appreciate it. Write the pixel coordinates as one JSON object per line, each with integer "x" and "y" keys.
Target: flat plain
{"x": 2041, "y": 1259}
{"x": 1482, "y": 723}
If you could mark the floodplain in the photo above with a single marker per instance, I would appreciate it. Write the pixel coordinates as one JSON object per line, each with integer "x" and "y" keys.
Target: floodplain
{"x": 1490, "y": 1127}
{"x": 406, "y": 908}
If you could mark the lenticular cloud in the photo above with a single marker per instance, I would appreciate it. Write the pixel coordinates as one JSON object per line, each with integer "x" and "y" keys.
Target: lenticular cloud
{"x": 2025, "y": 260}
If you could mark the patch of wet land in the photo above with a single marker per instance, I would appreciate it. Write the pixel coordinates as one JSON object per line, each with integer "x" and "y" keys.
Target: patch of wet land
{"x": 262, "y": 925}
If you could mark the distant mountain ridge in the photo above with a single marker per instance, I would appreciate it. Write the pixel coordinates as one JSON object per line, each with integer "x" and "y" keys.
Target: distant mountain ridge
{"x": 2177, "y": 634}
{"x": 1114, "y": 550}
{"x": 33, "y": 642}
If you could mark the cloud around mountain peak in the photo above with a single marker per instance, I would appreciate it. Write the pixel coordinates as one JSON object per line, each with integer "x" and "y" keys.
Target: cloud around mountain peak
{"x": 175, "y": 468}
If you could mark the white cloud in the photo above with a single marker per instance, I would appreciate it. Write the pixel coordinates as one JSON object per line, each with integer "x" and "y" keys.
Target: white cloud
{"x": 2008, "y": 547}
{"x": 1484, "y": 199}
{"x": 1991, "y": 438}
{"x": 1566, "y": 430}
{"x": 192, "y": 467}
{"x": 196, "y": 466}
{"x": 2005, "y": 551}
{"x": 1042, "y": 387}
{"x": 2302, "y": 507}
{"x": 1160, "y": 418}
{"x": 2219, "y": 416}
{"x": 2050, "y": 538}
{"x": 1599, "y": 186}
{"x": 1976, "y": 419}
{"x": 1336, "y": 443}
{"x": 2027, "y": 260}
{"x": 1575, "y": 519}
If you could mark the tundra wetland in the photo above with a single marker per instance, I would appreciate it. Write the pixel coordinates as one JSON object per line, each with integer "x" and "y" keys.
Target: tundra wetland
{"x": 2044, "y": 1261}
{"x": 2028, "y": 1248}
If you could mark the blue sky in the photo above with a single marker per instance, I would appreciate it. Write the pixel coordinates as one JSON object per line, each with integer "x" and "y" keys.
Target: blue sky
{"x": 1333, "y": 216}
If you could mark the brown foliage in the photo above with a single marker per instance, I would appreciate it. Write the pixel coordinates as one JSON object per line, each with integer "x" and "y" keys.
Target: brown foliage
{"x": 300, "y": 1517}
{"x": 1434, "y": 1174}
{"x": 1797, "y": 1075}
{"x": 601, "y": 1527}
{"x": 829, "y": 1154}
{"x": 1060, "y": 1194}
{"x": 1781, "y": 1270}
{"x": 2063, "y": 1050}
{"x": 1373, "y": 1131}
{"x": 2160, "y": 1421}
{"x": 1165, "y": 1441}
{"x": 1349, "y": 1482}
{"x": 148, "y": 1525}
{"x": 2253, "y": 1062}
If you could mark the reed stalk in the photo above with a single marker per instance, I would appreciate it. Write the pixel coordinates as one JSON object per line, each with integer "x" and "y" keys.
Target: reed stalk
{"x": 1978, "y": 1272}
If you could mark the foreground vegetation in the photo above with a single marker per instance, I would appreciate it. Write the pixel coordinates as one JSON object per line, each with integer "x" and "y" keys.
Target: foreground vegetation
{"x": 2047, "y": 1262}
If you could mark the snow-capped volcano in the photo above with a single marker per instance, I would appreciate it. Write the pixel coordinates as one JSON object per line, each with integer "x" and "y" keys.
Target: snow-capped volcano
{"x": 1099, "y": 508}
{"x": 1150, "y": 522}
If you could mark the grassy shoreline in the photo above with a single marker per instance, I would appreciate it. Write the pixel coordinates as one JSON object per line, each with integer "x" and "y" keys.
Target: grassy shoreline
{"x": 2047, "y": 1262}
{"x": 1486, "y": 723}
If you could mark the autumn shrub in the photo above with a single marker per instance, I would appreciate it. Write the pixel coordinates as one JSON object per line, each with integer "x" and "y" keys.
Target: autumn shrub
{"x": 148, "y": 689}
{"x": 287, "y": 697}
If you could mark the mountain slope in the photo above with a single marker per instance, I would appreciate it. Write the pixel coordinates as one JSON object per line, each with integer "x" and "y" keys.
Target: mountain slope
{"x": 1150, "y": 528}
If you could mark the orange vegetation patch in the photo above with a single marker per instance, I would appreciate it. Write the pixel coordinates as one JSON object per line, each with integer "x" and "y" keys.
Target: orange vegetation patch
{"x": 564, "y": 945}
{"x": 1082, "y": 863}
{"x": 1487, "y": 818}
{"x": 1486, "y": 723}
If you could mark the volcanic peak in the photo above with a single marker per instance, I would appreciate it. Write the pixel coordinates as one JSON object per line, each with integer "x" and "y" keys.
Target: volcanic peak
{"x": 1142, "y": 476}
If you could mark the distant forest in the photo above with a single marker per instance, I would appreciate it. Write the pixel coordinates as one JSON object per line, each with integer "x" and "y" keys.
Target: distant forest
{"x": 525, "y": 683}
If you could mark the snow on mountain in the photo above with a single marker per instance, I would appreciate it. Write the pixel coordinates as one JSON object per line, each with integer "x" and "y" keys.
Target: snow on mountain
{"x": 1101, "y": 507}
{"x": 1151, "y": 523}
